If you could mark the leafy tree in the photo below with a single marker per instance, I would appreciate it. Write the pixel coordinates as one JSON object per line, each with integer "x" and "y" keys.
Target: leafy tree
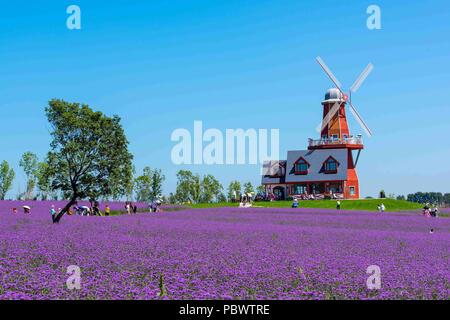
{"x": 6, "y": 178}
{"x": 211, "y": 189}
{"x": 148, "y": 186}
{"x": 221, "y": 197}
{"x": 248, "y": 188}
{"x": 158, "y": 179}
{"x": 261, "y": 189}
{"x": 29, "y": 164}
{"x": 143, "y": 185}
{"x": 234, "y": 190}
{"x": 89, "y": 152}
{"x": 188, "y": 187}
{"x": 43, "y": 180}
{"x": 401, "y": 197}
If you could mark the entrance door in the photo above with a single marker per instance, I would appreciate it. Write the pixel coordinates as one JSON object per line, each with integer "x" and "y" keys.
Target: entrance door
{"x": 279, "y": 193}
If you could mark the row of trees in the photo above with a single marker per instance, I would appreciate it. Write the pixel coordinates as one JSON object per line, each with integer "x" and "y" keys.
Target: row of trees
{"x": 193, "y": 188}
{"x": 428, "y": 197}
{"x": 35, "y": 173}
{"x": 89, "y": 159}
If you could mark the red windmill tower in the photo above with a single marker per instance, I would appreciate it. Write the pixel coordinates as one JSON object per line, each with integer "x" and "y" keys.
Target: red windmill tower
{"x": 334, "y": 130}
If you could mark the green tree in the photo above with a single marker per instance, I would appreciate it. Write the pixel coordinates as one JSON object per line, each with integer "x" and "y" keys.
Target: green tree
{"x": 143, "y": 185}
{"x": 211, "y": 189}
{"x": 29, "y": 164}
{"x": 234, "y": 190}
{"x": 89, "y": 152}
{"x": 188, "y": 187}
{"x": 148, "y": 186}
{"x": 158, "y": 179}
{"x": 248, "y": 188}
{"x": 43, "y": 180}
{"x": 261, "y": 189}
{"x": 6, "y": 179}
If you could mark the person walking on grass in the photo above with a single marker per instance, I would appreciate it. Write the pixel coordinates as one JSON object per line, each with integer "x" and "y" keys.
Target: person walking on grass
{"x": 338, "y": 205}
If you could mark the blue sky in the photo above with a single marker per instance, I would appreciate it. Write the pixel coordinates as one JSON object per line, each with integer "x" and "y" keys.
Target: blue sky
{"x": 160, "y": 65}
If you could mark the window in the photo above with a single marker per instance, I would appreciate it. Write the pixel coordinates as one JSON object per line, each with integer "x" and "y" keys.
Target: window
{"x": 352, "y": 191}
{"x": 301, "y": 166}
{"x": 299, "y": 189}
{"x": 335, "y": 187}
{"x": 317, "y": 188}
{"x": 331, "y": 165}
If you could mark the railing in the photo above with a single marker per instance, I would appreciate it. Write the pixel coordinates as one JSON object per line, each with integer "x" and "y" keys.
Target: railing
{"x": 331, "y": 141}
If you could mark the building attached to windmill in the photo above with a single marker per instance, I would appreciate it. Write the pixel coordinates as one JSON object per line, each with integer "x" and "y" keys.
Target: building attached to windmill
{"x": 327, "y": 169}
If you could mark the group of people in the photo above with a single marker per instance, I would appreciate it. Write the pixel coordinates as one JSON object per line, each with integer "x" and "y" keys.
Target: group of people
{"x": 246, "y": 200}
{"x": 381, "y": 208}
{"x": 130, "y": 207}
{"x": 155, "y": 206}
{"x": 430, "y": 211}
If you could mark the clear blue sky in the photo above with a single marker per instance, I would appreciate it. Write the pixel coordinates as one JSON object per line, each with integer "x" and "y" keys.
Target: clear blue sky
{"x": 160, "y": 65}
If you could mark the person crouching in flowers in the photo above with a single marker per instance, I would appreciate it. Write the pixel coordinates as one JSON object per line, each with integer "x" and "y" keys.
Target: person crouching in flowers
{"x": 26, "y": 209}
{"x": 14, "y": 210}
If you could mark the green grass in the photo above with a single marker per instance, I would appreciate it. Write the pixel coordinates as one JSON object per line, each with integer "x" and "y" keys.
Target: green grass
{"x": 362, "y": 205}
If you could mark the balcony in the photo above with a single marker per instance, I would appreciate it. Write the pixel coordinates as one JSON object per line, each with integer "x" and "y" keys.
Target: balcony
{"x": 351, "y": 142}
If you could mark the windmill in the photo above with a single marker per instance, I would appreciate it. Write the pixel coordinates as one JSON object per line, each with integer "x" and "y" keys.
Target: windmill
{"x": 347, "y": 98}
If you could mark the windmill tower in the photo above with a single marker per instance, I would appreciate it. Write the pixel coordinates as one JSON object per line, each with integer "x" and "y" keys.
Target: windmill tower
{"x": 334, "y": 130}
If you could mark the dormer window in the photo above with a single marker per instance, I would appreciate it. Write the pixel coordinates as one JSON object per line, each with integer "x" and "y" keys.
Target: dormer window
{"x": 331, "y": 165}
{"x": 301, "y": 166}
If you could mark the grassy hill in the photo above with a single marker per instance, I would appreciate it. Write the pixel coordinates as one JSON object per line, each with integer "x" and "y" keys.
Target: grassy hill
{"x": 365, "y": 205}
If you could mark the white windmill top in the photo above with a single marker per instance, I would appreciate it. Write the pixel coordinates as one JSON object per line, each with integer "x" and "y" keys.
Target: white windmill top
{"x": 333, "y": 95}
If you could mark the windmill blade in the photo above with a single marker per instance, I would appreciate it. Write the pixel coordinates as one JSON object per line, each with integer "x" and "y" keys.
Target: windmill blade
{"x": 328, "y": 117}
{"x": 329, "y": 73}
{"x": 360, "y": 120}
{"x": 361, "y": 78}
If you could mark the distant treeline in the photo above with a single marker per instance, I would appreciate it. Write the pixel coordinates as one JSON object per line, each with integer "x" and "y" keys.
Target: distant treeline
{"x": 428, "y": 197}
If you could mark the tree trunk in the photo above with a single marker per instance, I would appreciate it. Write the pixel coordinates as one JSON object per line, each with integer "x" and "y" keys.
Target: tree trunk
{"x": 66, "y": 209}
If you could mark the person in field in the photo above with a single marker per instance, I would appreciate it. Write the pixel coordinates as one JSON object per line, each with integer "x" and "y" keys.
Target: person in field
{"x": 295, "y": 203}
{"x": 14, "y": 210}
{"x": 134, "y": 209}
{"x": 53, "y": 213}
{"x": 338, "y": 205}
{"x": 426, "y": 211}
{"x": 434, "y": 212}
{"x": 26, "y": 209}
{"x": 107, "y": 210}
{"x": 383, "y": 208}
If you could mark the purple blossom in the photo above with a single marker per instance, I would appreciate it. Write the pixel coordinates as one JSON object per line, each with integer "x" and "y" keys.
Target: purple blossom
{"x": 223, "y": 253}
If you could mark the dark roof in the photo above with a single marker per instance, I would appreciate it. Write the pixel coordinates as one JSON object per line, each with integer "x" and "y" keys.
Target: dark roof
{"x": 316, "y": 159}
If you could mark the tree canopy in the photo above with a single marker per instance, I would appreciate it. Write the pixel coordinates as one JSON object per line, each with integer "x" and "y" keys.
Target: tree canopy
{"x": 6, "y": 179}
{"x": 88, "y": 155}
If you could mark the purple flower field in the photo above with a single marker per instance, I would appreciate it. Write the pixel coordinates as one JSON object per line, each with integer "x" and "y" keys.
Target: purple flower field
{"x": 224, "y": 253}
